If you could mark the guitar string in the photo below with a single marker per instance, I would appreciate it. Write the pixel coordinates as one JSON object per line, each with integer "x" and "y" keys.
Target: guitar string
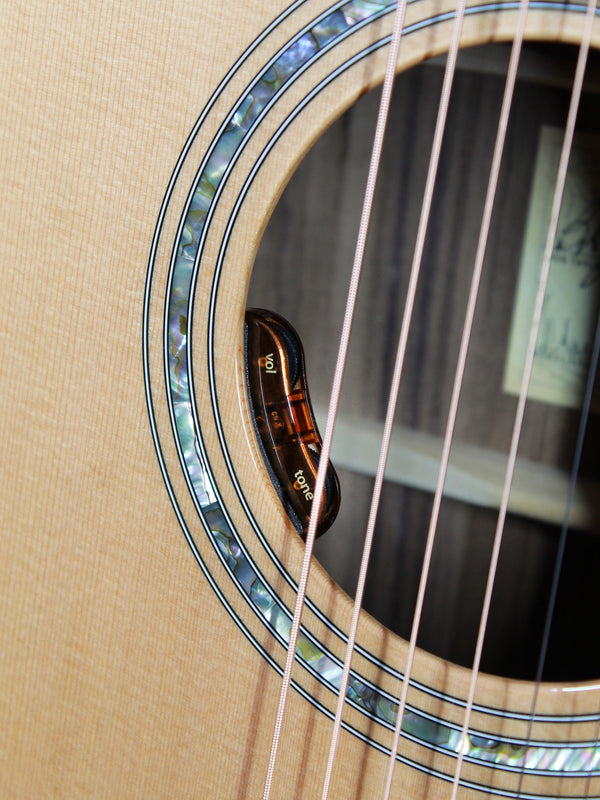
{"x": 395, "y": 383}
{"x": 585, "y": 411}
{"x": 389, "y": 418}
{"x": 319, "y": 489}
{"x": 459, "y": 373}
{"x": 536, "y": 319}
{"x": 318, "y": 493}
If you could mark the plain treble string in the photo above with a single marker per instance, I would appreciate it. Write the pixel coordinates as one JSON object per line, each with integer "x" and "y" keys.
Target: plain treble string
{"x": 544, "y": 270}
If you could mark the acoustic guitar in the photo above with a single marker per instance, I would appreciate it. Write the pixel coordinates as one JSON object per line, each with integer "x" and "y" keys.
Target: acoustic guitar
{"x": 149, "y": 568}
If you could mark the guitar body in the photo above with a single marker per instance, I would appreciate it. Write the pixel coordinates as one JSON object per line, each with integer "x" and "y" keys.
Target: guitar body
{"x": 147, "y": 566}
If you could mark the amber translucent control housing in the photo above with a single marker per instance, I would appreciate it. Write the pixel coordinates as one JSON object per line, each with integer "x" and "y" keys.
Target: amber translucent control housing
{"x": 284, "y": 419}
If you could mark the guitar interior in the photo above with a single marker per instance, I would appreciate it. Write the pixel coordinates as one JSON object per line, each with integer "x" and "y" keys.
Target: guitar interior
{"x": 302, "y": 272}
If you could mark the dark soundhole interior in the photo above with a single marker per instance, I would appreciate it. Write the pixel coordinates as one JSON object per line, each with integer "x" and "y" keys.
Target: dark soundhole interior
{"x": 302, "y": 272}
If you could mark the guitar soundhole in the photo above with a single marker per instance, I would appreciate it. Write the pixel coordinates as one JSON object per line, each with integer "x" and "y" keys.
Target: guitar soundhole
{"x": 302, "y": 270}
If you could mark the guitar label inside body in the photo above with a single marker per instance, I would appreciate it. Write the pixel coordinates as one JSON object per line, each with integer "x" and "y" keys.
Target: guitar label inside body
{"x": 570, "y": 309}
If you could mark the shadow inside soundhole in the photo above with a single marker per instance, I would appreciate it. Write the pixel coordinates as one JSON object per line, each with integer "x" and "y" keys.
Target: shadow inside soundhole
{"x": 302, "y": 272}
